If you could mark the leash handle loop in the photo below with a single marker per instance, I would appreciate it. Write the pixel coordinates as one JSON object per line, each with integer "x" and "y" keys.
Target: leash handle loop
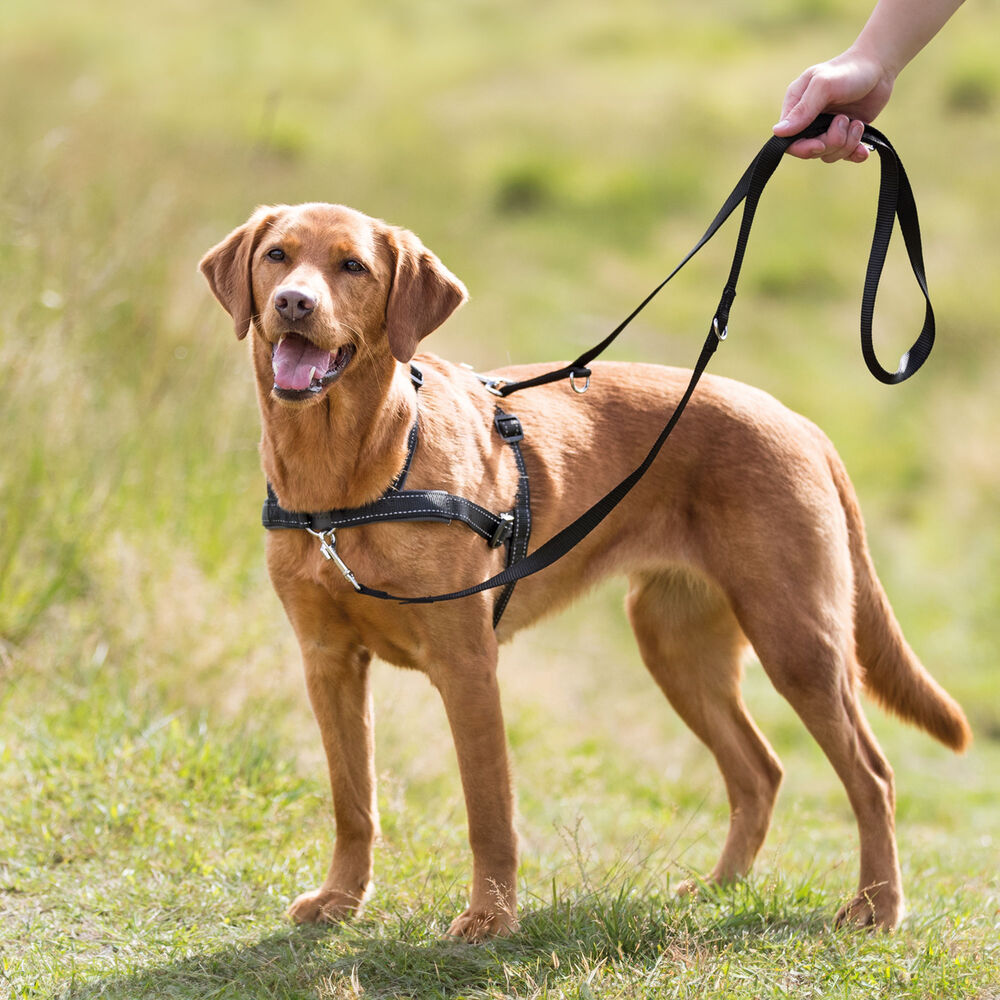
{"x": 895, "y": 201}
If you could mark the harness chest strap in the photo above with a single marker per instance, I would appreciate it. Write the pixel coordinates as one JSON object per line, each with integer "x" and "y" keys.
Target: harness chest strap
{"x": 511, "y": 528}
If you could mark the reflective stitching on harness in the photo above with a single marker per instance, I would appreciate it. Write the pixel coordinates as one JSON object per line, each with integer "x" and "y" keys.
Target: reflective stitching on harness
{"x": 343, "y": 521}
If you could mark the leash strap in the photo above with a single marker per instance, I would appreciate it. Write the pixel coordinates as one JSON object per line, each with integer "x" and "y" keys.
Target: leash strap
{"x": 895, "y": 201}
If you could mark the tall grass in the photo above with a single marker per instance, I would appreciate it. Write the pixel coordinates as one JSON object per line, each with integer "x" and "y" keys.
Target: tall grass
{"x": 161, "y": 784}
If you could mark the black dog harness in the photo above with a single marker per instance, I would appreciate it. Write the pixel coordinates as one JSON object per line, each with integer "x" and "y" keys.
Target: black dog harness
{"x": 895, "y": 201}
{"x": 511, "y": 528}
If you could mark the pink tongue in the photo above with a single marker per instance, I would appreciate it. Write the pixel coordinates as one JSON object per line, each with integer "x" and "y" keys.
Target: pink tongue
{"x": 293, "y": 361}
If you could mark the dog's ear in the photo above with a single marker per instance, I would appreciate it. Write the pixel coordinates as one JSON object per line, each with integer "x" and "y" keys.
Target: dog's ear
{"x": 423, "y": 295}
{"x": 227, "y": 268}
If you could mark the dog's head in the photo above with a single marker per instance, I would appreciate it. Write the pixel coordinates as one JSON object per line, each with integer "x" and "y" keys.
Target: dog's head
{"x": 321, "y": 285}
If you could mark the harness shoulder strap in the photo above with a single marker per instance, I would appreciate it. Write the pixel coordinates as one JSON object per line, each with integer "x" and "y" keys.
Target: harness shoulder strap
{"x": 395, "y": 504}
{"x": 509, "y": 428}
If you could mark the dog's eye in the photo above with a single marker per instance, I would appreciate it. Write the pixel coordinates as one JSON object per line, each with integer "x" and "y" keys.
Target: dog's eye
{"x": 354, "y": 265}
{"x": 276, "y": 254}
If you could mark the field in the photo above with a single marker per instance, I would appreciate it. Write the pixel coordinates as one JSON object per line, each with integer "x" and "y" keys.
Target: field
{"x": 162, "y": 794}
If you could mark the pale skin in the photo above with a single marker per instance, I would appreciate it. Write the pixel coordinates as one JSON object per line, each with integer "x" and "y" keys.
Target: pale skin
{"x": 856, "y": 85}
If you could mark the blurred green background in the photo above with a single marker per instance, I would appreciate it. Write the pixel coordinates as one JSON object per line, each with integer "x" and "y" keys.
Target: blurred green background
{"x": 560, "y": 157}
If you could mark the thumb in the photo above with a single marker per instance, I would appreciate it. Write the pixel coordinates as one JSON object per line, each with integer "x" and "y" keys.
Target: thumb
{"x": 805, "y": 99}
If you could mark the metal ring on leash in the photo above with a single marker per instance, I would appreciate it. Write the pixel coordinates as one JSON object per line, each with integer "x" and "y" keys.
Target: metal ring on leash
{"x": 575, "y": 388}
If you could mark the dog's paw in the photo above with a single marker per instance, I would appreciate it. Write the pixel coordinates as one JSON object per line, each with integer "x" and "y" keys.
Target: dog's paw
{"x": 473, "y": 926}
{"x": 323, "y": 906}
{"x": 689, "y": 887}
{"x": 877, "y": 908}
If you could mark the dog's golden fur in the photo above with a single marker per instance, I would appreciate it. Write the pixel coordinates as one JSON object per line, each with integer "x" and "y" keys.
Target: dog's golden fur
{"x": 746, "y": 531}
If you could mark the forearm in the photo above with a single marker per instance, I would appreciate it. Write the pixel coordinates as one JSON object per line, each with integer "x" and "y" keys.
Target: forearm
{"x": 898, "y": 29}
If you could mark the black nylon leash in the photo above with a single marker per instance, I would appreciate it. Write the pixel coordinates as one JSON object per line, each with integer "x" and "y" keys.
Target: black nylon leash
{"x": 895, "y": 201}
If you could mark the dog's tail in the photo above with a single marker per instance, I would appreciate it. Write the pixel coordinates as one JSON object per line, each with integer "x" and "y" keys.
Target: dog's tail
{"x": 891, "y": 671}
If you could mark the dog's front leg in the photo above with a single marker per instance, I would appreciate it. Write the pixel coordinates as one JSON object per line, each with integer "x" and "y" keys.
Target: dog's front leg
{"x": 341, "y": 700}
{"x": 471, "y": 696}
{"x": 336, "y": 670}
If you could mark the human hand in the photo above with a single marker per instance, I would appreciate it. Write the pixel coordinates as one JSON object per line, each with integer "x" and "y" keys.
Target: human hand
{"x": 853, "y": 87}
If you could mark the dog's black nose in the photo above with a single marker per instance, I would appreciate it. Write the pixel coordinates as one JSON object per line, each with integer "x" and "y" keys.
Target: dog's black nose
{"x": 293, "y": 303}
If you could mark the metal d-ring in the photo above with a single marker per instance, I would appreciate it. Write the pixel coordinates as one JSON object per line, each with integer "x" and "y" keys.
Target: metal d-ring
{"x": 573, "y": 385}
{"x": 715, "y": 328}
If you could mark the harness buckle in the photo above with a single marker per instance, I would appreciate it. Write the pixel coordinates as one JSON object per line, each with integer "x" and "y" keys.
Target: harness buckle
{"x": 328, "y": 549}
{"x": 504, "y": 530}
{"x": 508, "y": 427}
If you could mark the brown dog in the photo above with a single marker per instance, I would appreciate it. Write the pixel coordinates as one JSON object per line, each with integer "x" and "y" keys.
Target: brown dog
{"x": 745, "y": 531}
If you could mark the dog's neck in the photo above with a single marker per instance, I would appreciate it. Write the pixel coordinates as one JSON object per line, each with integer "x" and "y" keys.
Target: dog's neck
{"x": 343, "y": 450}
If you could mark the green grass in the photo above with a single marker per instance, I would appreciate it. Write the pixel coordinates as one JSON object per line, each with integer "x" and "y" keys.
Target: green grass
{"x": 162, "y": 795}
{"x": 152, "y": 855}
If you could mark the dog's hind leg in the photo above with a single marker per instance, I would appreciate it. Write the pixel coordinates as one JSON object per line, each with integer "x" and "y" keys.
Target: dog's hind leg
{"x": 814, "y": 668}
{"x": 797, "y": 611}
{"x": 692, "y": 645}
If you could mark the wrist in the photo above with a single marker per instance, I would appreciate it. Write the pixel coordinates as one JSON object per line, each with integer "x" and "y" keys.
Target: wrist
{"x": 881, "y": 61}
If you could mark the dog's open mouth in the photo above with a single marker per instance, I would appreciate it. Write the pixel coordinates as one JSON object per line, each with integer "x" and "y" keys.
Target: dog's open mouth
{"x": 301, "y": 369}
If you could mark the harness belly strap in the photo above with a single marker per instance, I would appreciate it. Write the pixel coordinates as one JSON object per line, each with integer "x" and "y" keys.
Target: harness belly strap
{"x": 511, "y": 528}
